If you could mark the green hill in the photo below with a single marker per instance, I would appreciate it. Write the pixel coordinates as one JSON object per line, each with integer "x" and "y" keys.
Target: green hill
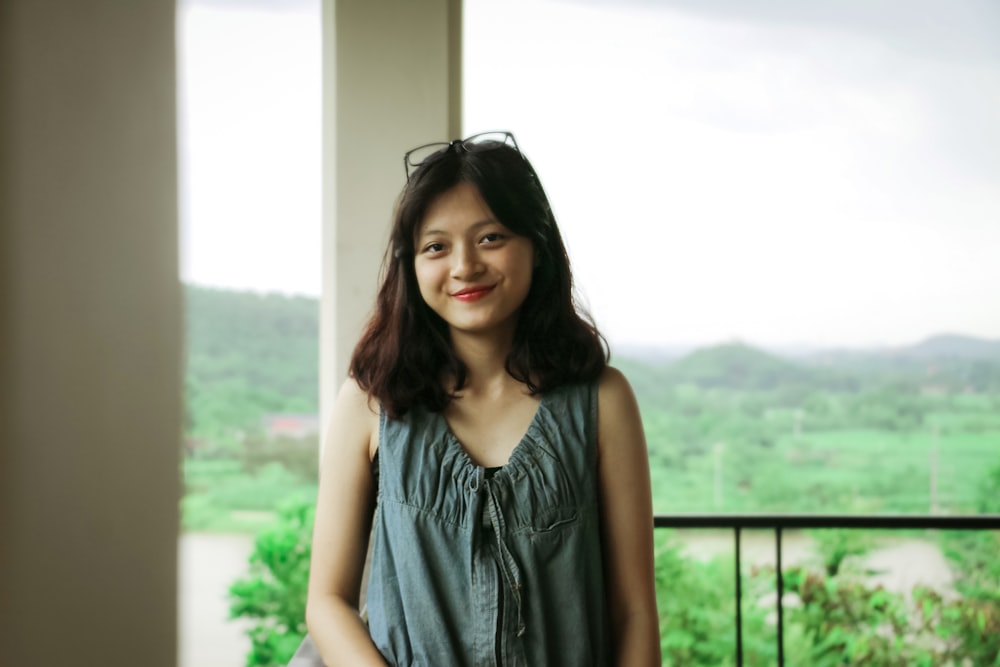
{"x": 736, "y": 366}
{"x": 953, "y": 346}
{"x": 248, "y": 355}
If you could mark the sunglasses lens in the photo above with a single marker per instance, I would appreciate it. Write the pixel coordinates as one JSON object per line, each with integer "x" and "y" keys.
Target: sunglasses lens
{"x": 489, "y": 140}
{"x": 418, "y": 156}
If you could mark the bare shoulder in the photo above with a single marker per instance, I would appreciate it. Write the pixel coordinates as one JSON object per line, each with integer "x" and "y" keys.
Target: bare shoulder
{"x": 352, "y": 394}
{"x": 355, "y": 419}
{"x": 614, "y": 393}
{"x": 618, "y": 419}
{"x": 613, "y": 381}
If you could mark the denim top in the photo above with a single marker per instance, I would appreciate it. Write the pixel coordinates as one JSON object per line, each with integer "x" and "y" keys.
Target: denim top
{"x": 470, "y": 570}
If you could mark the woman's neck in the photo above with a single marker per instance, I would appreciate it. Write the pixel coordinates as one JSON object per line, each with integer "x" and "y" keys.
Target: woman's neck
{"x": 485, "y": 360}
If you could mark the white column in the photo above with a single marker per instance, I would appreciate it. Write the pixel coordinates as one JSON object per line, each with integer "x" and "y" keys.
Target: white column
{"x": 90, "y": 325}
{"x": 392, "y": 80}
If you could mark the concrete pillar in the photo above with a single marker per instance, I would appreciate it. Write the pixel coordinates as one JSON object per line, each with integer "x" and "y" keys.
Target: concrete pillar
{"x": 392, "y": 81}
{"x": 90, "y": 325}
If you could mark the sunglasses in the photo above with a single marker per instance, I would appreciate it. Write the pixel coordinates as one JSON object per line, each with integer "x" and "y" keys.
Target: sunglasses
{"x": 421, "y": 155}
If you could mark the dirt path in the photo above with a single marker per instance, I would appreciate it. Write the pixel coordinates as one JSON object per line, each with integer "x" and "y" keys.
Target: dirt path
{"x": 208, "y": 565}
{"x": 899, "y": 563}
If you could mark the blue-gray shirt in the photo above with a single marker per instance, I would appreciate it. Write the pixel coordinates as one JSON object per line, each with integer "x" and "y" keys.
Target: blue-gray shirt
{"x": 470, "y": 569}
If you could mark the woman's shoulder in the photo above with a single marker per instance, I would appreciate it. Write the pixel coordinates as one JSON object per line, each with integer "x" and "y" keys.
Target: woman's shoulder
{"x": 616, "y": 402}
{"x": 612, "y": 384}
{"x": 354, "y": 395}
{"x": 356, "y": 412}
{"x": 609, "y": 395}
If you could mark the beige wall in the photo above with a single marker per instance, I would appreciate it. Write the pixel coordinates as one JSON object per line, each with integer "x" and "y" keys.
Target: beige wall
{"x": 89, "y": 334}
{"x": 391, "y": 81}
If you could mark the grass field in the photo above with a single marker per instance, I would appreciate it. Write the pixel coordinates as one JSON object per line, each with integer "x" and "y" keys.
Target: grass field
{"x": 221, "y": 497}
{"x": 850, "y": 470}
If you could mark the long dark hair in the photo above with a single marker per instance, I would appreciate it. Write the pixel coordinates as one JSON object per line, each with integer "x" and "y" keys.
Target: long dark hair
{"x": 405, "y": 350}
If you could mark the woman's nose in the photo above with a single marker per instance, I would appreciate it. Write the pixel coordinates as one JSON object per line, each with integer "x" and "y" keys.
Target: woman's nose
{"x": 465, "y": 262}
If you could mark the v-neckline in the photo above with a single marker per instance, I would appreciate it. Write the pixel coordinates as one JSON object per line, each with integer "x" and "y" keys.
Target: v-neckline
{"x": 522, "y": 443}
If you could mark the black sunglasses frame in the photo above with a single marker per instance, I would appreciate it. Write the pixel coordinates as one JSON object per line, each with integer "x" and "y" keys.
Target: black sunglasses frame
{"x": 501, "y": 137}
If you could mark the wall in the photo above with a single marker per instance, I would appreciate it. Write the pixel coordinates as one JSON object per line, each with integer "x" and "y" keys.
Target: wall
{"x": 90, "y": 324}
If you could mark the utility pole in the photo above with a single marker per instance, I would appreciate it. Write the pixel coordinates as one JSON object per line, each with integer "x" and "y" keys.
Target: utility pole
{"x": 933, "y": 464}
{"x": 718, "y": 449}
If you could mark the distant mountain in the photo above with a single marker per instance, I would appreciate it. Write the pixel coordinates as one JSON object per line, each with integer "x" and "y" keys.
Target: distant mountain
{"x": 940, "y": 363}
{"x": 953, "y": 346}
{"x": 651, "y": 353}
{"x": 736, "y": 366}
{"x": 940, "y": 346}
{"x": 248, "y": 355}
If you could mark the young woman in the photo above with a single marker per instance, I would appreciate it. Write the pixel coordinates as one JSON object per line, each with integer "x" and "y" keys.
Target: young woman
{"x": 497, "y": 461}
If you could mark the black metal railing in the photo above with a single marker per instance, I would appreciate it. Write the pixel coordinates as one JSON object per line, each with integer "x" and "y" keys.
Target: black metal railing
{"x": 780, "y": 522}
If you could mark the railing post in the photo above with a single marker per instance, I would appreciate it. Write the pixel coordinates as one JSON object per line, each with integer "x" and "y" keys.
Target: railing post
{"x": 781, "y": 594}
{"x": 739, "y": 600}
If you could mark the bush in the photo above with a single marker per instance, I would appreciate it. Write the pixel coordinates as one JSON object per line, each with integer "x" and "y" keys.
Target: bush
{"x": 844, "y": 622}
{"x": 697, "y": 611}
{"x": 274, "y": 592}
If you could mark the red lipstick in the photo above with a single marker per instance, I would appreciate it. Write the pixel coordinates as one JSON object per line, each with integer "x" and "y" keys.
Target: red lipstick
{"x": 470, "y": 294}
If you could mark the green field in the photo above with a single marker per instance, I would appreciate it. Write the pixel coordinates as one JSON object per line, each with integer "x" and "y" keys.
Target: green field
{"x": 848, "y": 470}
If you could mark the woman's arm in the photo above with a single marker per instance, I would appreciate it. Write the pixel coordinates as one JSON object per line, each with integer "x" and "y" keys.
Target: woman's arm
{"x": 343, "y": 521}
{"x": 627, "y": 523}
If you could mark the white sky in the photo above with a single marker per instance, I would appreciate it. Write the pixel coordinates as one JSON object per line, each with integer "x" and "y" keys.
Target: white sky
{"x": 249, "y": 109}
{"x": 779, "y": 177}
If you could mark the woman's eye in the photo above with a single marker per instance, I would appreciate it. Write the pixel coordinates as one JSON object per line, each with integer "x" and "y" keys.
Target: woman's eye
{"x": 492, "y": 237}
{"x": 434, "y": 247}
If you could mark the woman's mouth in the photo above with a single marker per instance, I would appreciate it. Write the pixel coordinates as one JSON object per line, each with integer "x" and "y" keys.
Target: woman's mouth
{"x": 473, "y": 293}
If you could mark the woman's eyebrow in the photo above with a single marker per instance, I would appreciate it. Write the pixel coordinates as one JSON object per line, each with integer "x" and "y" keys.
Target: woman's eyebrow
{"x": 473, "y": 227}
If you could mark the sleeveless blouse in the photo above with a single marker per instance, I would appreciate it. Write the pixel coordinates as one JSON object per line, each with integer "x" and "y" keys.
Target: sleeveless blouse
{"x": 501, "y": 570}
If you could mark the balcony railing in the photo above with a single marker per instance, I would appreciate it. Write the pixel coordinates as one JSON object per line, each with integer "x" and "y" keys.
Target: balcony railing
{"x": 780, "y": 522}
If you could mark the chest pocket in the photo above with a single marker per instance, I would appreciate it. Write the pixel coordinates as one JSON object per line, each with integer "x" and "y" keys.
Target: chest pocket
{"x": 541, "y": 496}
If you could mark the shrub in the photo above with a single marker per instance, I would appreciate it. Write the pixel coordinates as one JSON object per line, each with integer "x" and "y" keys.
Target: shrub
{"x": 697, "y": 613}
{"x": 274, "y": 592}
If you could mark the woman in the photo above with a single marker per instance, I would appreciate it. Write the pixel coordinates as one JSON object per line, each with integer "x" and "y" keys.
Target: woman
{"x": 506, "y": 459}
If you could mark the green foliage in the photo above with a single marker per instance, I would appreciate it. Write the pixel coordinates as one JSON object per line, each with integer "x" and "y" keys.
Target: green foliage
{"x": 770, "y": 454}
{"x": 248, "y": 355}
{"x": 696, "y": 606}
{"x": 299, "y": 456}
{"x": 274, "y": 592}
{"x": 221, "y": 496}
{"x": 968, "y": 628}
{"x": 836, "y": 545}
{"x": 989, "y": 492}
{"x": 973, "y": 620}
{"x": 844, "y": 622}
{"x": 975, "y": 553}
{"x": 736, "y": 366}
{"x": 830, "y": 620}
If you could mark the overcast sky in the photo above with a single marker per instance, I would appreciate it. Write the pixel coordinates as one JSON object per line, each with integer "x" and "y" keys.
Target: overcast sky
{"x": 780, "y": 173}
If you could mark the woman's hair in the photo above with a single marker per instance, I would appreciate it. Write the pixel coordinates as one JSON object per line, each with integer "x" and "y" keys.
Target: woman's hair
{"x": 405, "y": 350}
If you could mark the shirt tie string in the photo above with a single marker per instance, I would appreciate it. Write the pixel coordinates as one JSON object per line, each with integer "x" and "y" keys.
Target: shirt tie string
{"x": 508, "y": 566}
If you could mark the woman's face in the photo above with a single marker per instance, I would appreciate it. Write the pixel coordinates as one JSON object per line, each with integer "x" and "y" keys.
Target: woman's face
{"x": 472, "y": 271}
